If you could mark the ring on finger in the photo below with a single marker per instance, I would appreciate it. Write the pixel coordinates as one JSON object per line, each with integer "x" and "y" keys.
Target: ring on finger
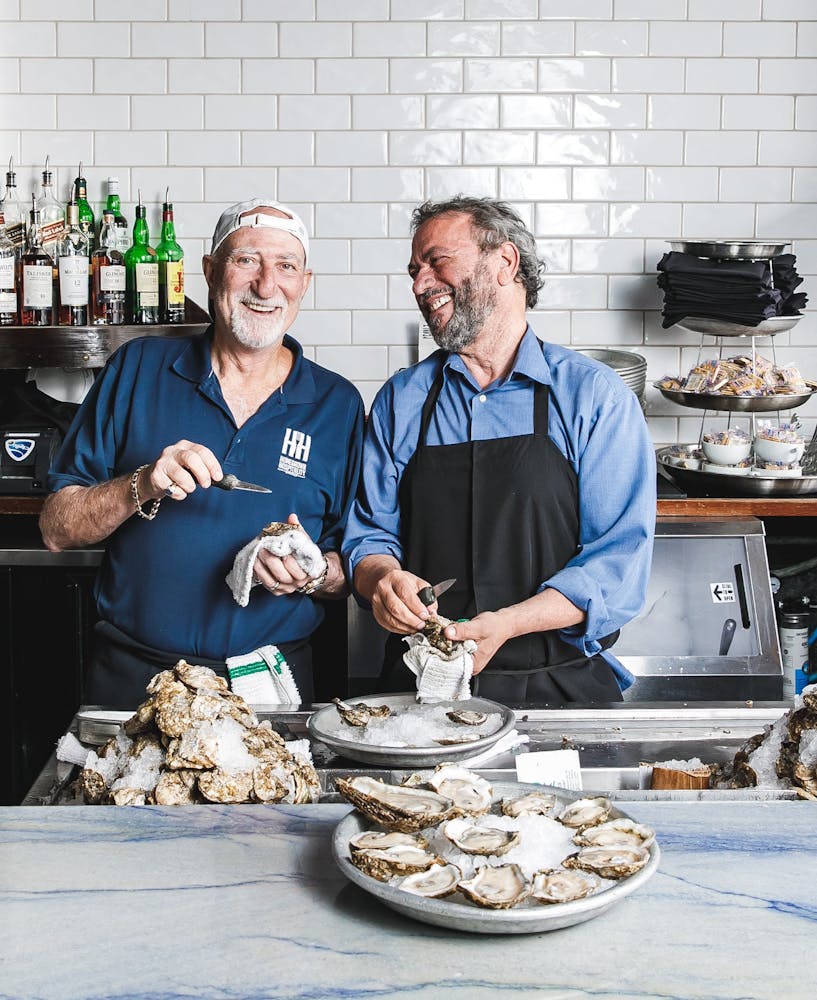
{"x": 170, "y": 490}
{"x": 275, "y": 586}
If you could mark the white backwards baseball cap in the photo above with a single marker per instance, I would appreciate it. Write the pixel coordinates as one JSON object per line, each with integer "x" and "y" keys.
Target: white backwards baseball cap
{"x": 238, "y": 217}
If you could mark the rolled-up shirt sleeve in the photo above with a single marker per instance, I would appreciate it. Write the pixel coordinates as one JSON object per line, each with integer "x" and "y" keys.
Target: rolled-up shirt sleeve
{"x": 615, "y": 463}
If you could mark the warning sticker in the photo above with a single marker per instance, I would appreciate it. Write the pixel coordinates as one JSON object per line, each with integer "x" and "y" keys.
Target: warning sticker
{"x": 722, "y": 593}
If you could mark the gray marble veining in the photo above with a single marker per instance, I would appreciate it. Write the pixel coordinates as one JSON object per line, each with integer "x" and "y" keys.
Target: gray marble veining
{"x": 244, "y": 902}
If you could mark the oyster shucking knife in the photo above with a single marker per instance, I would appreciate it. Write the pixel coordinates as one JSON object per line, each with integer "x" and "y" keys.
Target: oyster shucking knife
{"x": 231, "y": 482}
{"x": 428, "y": 595}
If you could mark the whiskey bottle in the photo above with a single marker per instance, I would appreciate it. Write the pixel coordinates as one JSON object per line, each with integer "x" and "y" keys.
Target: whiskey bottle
{"x": 108, "y": 276}
{"x": 14, "y": 212}
{"x": 142, "y": 273}
{"x": 52, "y": 214}
{"x": 8, "y": 278}
{"x": 86, "y": 215}
{"x": 119, "y": 236}
{"x": 36, "y": 277}
{"x": 72, "y": 263}
{"x": 171, "y": 269}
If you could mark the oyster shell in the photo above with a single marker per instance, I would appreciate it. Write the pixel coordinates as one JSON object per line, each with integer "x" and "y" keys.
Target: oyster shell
{"x": 397, "y": 807}
{"x": 226, "y": 786}
{"x": 176, "y": 788}
{"x": 585, "y": 812}
{"x": 469, "y": 792}
{"x": 437, "y": 881}
{"x": 485, "y": 840}
{"x": 532, "y": 804}
{"x": 496, "y": 888}
{"x": 451, "y": 741}
{"x": 555, "y": 885}
{"x": 360, "y": 714}
{"x": 468, "y": 718}
{"x": 615, "y": 833}
{"x": 398, "y": 859}
{"x": 370, "y": 840}
{"x": 609, "y": 862}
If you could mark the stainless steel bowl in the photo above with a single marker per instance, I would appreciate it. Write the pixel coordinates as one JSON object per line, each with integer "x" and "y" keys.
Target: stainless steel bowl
{"x": 739, "y": 404}
{"x": 731, "y": 249}
{"x": 722, "y": 328}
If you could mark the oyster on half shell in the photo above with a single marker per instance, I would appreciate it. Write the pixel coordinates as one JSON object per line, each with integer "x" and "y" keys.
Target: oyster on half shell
{"x": 555, "y": 885}
{"x": 467, "y": 718}
{"x": 615, "y": 833}
{"x": 437, "y": 881}
{"x": 585, "y": 812}
{"x": 398, "y": 859}
{"x": 360, "y": 714}
{"x": 379, "y": 840}
{"x": 397, "y": 807}
{"x": 469, "y": 792}
{"x": 532, "y": 804}
{"x": 496, "y": 888}
{"x": 609, "y": 862}
{"x": 485, "y": 840}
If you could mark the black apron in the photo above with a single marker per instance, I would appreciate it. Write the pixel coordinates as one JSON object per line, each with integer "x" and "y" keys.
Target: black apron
{"x": 121, "y": 667}
{"x": 501, "y": 516}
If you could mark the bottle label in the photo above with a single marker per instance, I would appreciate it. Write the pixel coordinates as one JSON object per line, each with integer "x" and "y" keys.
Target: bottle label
{"x": 794, "y": 656}
{"x": 175, "y": 282}
{"x": 73, "y": 281}
{"x": 112, "y": 278}
{"x": 16, "y": 232}
{"x": 51, "y": 232}
{"x": 147, "y": 285}
{"x": 7, "y": 273}
{"x": 8, "y": 302}
{"x": 121, "y": 238}
{"x": 38, "y": 287}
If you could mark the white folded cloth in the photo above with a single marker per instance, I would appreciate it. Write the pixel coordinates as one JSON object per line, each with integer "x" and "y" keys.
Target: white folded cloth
{"x": 290, "y": 539}
{"x": 263, "y": 677}
{"x": 70, "y": 749}
{"x": 440, "y": 676}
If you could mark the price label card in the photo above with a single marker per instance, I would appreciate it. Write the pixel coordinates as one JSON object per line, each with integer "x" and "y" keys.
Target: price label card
{"x": 560, "y": 768}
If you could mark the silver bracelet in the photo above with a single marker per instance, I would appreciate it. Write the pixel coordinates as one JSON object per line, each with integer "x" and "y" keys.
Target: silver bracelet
{"x": 137, "y": 503}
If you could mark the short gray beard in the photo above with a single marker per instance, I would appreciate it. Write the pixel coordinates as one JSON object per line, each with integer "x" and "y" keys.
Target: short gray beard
{"x": 474, "y": 301}
{"x": 245, "y": 332}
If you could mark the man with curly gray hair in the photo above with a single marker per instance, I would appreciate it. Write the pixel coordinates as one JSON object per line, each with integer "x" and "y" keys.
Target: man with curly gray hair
{"x": 519, "y": 467}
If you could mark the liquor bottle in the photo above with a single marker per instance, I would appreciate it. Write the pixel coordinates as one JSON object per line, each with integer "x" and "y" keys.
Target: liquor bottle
{"x": 8, "y": 278}
{"x": 52, "y": 214}
{"x": 108, "y": 276}
{"x": 36, "y": 277}
{"x": 119, "y": 236}
{"x": 14, "y": 212}
{"x": 171, "y": 269}
{"x": 86, "y": 215}
{"x": 72, "y": 263}
{"x": 142, "y": 273}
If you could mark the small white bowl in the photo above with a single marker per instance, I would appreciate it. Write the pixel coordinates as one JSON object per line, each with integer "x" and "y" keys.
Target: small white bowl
{"x": 727, "y": 470}
{"x": 787, "y": 452}
{"x": 726, "y": 454}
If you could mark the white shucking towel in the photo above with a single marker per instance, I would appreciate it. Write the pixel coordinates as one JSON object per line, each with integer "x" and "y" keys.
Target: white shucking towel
{"x": 263, "y": 677}
{"x": 281, "y": 540}
{"x": 440, "y": 676}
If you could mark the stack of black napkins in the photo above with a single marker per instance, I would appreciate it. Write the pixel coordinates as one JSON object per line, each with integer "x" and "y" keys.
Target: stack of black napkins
{"x": 737, "y": 291}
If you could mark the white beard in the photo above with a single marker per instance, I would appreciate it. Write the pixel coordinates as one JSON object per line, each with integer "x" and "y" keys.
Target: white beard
{"x": 258, "y": 330}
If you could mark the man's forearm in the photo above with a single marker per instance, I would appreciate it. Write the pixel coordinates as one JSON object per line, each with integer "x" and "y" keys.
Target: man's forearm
{"x": 81, "y": 515}
{"x": 370, "y": 570}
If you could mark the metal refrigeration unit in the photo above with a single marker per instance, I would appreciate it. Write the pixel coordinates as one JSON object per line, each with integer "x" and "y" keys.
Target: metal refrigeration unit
{"x": 708, "y": 629}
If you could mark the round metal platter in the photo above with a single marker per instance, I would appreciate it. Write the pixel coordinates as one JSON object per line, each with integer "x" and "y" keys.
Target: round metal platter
{"x": 698, "y": 482}
{"x": 421, "y": 756}
{"x": 730, "y": 249}
{"x": 456, "y": 912}
{"x": 722, "y": 328}
{"x": 739, "y": 404}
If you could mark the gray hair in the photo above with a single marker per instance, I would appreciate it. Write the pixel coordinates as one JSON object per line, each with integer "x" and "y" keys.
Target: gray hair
{"x": 494, "y": 223}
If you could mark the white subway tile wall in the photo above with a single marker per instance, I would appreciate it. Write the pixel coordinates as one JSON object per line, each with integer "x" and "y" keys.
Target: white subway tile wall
{"x": 610, "y": 125}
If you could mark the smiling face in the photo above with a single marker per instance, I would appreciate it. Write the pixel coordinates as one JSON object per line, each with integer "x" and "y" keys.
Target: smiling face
{"x": 257, "y": 279}
{"x": 453, "y": 280}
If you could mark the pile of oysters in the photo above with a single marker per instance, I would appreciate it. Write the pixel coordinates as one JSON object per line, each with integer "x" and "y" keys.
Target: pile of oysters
{"x": 444, "y": 834}
{"x": 194, "y": 740}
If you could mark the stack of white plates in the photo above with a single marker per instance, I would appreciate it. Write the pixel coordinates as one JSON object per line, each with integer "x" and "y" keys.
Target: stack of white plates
{"x": 632, "y": 368}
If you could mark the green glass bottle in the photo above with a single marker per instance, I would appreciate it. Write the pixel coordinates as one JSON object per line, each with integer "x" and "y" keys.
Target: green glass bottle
{"x": 86, "y": 214}
{"x": 141, "y": 273}
{"x": 171, "y": 269}
{"x": 119, "y": 236}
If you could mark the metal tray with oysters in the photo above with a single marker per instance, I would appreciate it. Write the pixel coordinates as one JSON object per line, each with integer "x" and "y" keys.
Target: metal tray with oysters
{"x": 451, "y": 850}
{"x": 394, "y": 730}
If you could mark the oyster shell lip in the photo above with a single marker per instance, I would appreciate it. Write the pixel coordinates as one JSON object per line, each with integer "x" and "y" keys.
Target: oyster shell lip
{"x": 496, "y": 887}
{"x": 556, "y": 885}
{"x": 609, "y": 862}
{"x": 436, "y": 882}
{"x": 484, "y": 841}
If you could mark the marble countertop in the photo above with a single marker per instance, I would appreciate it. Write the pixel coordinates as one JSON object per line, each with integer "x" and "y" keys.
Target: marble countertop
{"x": 245, "y": 902}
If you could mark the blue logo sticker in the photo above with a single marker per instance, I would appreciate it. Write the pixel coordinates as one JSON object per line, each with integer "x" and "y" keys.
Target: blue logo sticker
{"x": 19, "y": 448}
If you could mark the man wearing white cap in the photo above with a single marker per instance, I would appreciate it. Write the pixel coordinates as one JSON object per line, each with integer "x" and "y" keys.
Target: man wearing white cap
{"x": 169, "y": 417}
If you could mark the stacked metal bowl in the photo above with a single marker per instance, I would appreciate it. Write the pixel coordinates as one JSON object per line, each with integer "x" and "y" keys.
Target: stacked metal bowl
{"x": 632, "y": 368}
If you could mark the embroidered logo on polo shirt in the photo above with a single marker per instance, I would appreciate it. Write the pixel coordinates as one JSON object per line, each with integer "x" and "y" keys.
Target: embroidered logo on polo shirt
{"x": 295, "y": 453}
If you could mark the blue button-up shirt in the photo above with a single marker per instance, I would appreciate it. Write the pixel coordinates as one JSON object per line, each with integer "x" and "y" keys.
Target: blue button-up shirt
{"x": 594, "y": 420}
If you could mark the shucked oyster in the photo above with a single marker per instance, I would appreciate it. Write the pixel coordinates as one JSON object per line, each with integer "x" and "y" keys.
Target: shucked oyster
{"x": 360, "y": 713}
{"x": 532, "y": 804}
{"x": 585, "y": 812}
{"x": 438, "y": 881}
{"x": 609, "y": 862}
{"x": 615, "y": 833}
{"x": 496, "y": 888}
{"x": 467, "y": 718}
{"x": 396, "y": 807}
{"x": 469, "y": 792}
{"x": 398, "y": 859}
{"x": 555, "y": 885}
{"x": 485, "y": 840}
{"x": 377, "y": 840}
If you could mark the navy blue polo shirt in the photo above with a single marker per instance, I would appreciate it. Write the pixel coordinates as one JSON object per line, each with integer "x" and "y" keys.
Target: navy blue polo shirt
{"x": 162, "y": 581}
